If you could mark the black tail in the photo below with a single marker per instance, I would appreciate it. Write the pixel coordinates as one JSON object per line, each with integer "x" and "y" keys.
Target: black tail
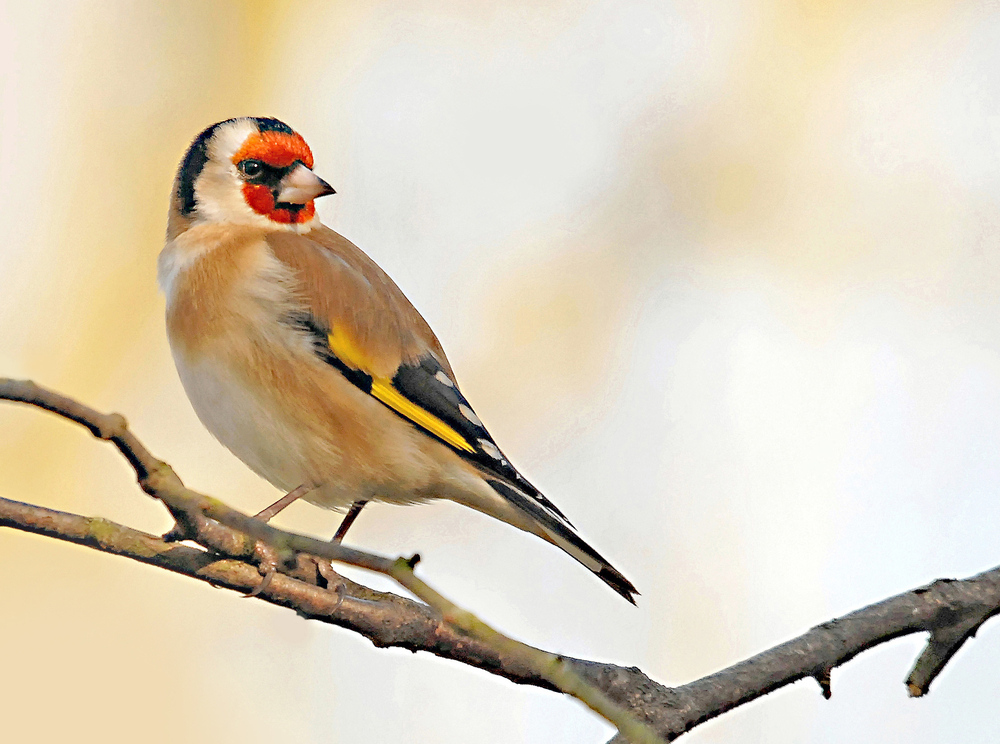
{"x": 560, "y": 533}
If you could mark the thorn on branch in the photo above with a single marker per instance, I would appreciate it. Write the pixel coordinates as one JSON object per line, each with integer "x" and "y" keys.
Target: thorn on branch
{"x": 413, "y": 560}
{"x": 823, "y": 678}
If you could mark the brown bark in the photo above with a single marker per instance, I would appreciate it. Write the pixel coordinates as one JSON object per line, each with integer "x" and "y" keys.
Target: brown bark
{"x": 238, "y": 552}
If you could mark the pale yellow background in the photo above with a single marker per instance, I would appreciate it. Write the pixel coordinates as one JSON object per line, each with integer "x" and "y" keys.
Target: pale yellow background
{"x": 722, "y": 278}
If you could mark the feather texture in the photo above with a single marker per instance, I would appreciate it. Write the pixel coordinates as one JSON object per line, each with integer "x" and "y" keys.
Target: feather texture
{"x": 400, "y": 360}
{"x": 307, "y": 361}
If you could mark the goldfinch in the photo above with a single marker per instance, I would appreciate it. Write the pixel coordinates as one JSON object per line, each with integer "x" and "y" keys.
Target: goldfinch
{"x": 302, "y": 356}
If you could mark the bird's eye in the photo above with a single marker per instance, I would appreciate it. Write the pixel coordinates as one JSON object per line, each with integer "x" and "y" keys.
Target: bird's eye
{"x": 250, "y": 168}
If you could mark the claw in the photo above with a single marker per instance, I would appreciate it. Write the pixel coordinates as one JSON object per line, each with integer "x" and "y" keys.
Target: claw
{"x": 264, "y": 583}
{"x": 341, "y": 591}
{"x": 334, "y": 583}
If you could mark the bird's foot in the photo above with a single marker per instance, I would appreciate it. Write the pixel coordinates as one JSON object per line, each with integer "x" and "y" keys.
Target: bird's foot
{"x": 265, "y": 582}
{"x": 332, "y": 582}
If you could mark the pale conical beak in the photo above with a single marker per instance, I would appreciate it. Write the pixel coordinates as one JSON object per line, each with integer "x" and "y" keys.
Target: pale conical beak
{"x": 302, "y": 186}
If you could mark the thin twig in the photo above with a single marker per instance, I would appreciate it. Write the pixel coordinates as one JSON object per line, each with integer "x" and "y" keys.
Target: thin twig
{"x": 950, "y": 611}
{"x": 386, "y": 619}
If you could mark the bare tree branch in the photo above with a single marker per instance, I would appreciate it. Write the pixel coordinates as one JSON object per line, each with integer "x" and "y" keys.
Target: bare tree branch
{"x": 273, "y": 550}
{"x": 234, "y": 550}
{"x": 951, "y": 611}
{"x": 385, "y": 619}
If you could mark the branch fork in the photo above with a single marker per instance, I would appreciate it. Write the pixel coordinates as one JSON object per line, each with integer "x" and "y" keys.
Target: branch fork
{"x": 244, "y": 554}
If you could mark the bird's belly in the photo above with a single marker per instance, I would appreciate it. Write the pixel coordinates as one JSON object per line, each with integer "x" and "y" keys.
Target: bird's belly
{"x": 346, "y": 447}
{"x": 249, "y": 423}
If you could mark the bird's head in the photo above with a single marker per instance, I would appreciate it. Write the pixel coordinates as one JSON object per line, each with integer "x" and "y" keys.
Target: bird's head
{"x": 249, "y": 170}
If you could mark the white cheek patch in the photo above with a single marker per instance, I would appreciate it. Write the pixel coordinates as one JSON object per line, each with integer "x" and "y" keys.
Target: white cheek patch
{"x": 219, "y": 189}
{"x": 219, "y": 193}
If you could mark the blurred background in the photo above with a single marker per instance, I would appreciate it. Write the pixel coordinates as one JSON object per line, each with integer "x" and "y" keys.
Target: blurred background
{"x": 720, "y": 278}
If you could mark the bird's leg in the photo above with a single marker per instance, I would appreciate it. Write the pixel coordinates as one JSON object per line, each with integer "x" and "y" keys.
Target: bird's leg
{"x": 267, "y": 566}
{"x": 294, "y": 495}
{"x": 349, "y": 518}
{"x": 334, "y": 582}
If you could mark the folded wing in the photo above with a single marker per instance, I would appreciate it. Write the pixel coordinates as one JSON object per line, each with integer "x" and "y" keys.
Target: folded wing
{"x": 362, "y": 325}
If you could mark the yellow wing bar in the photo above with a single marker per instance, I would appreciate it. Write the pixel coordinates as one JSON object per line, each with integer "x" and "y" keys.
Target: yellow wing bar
{"x": 385, "y": 392}
{"x": 349, "y": 353}
{"x": 344, "y": 348}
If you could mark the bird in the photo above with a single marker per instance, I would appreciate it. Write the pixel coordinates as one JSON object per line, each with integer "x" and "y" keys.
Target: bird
{"x": 304, "y": 359}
